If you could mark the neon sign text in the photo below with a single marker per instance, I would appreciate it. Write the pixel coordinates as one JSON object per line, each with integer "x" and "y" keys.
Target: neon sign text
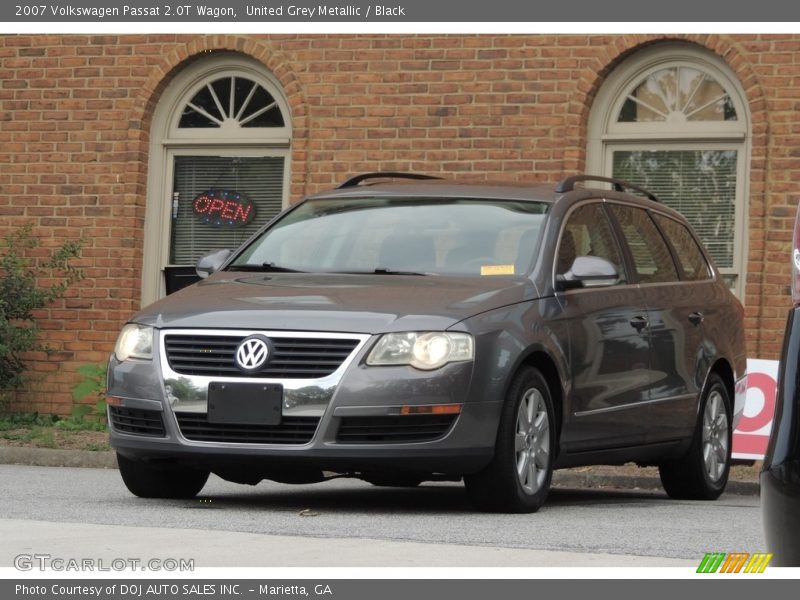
{"x": 222, "y": 208}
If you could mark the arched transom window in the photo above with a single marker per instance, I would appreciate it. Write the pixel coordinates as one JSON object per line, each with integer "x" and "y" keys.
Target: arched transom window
{"x": 231, "y": 102}
{"x": 672, "y": 119}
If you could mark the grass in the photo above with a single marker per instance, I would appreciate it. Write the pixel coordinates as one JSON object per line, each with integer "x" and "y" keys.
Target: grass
{"x": 53, "y": 431}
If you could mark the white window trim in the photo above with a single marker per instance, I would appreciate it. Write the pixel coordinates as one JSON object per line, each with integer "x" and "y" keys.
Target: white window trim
{"x": 168, "y": 141}
{"x": 605, "y": 134}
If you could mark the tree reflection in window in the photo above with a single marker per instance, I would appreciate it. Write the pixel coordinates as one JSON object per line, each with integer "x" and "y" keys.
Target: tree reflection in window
{"x": 676, "y": 95}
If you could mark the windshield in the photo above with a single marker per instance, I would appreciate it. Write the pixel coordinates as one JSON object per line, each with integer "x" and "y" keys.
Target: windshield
{"x": 400, "y": 236}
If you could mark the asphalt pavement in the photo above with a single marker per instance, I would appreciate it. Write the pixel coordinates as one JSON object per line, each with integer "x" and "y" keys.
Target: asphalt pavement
{"x": 88, "y": 512}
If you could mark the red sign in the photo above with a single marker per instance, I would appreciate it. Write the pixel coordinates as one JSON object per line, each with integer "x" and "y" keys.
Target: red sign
{"x": 751, "y": 436}
{"x": 222, "y": 208}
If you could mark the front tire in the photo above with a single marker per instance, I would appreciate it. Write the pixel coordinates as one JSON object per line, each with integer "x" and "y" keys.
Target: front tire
{"x": 702, "y": 473}
{"x": 160, "y": 481}
{"x": 518, "y": 478}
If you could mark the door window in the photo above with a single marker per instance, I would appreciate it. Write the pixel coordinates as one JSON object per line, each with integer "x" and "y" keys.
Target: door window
{"x": 652, "y": 260}
{"x": 588, "y": 233}
{"x": 693, "y": 264}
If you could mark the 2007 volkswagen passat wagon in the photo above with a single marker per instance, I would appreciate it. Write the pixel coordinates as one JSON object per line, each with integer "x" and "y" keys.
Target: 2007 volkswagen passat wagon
{"x": 403, "y": 331}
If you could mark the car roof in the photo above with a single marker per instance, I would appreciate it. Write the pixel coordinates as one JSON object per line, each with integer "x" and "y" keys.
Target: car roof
{"x": 515, "y": 191}
{"x": 446, "y": 188}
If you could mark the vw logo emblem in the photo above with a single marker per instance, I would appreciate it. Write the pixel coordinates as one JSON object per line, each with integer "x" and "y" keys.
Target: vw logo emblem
{"x": 252, "y": 353}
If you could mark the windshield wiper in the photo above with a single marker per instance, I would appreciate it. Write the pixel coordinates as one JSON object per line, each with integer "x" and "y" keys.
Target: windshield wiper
{"x": 387, "y": 271}
{"x": 267, "y": 267}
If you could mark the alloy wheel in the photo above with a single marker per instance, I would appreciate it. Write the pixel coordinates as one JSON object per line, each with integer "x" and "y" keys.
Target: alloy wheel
{"x": 532, "y": 441}
{"x": 715, "y": 436}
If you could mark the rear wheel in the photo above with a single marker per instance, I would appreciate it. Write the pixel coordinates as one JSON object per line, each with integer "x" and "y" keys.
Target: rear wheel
{"x": 702, "y": 473}
{"x": 518, "y": 478}
{"x": 160, "y": 481}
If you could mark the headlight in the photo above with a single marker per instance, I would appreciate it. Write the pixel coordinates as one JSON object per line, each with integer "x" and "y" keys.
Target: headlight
{"x": 135, "y": 341}
{"x": 422, "y": 350}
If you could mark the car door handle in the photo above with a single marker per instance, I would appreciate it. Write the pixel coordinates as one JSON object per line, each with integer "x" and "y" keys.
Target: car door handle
{"x": 639, "y": 323}
{"x": 696, "y": 318}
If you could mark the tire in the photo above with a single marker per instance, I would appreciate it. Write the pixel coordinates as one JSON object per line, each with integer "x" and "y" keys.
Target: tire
{"x": 702, "y": 473}
{"x": 518, "y": 478}
{"x": 160, "y": 481}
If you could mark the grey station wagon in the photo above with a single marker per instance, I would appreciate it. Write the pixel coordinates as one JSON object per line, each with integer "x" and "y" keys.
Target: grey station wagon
{"x": 404, "y": 331}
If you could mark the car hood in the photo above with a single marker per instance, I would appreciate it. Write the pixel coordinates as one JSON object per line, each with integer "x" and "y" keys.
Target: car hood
{"x": 333, "y": 302}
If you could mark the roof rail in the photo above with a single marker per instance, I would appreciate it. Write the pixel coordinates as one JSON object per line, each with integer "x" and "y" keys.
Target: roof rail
{"x": 568, "y": 184}
{"x": 355, "y": 180}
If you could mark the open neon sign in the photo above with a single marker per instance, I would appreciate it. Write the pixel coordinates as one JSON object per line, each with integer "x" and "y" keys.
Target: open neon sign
{"x": 223, "y": 208}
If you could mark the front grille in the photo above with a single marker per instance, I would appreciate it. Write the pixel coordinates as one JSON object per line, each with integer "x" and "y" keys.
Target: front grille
{"x": 291, "y": 358}
{"x": 393, "y": 429}
{"x": 292, "y": 430}
{"x": 137, "y": 422}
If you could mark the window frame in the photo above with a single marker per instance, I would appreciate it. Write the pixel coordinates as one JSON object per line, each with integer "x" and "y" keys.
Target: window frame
{"x": 605, "y": 134}
{"x": 168, "y": 140}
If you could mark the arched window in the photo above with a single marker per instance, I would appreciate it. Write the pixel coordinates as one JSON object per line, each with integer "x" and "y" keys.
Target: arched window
{"x": 672, "y": 118}
{"x": 219, "y": 166}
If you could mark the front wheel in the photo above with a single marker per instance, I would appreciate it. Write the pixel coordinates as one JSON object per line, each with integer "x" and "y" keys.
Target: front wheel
{"x": 160, "y": 481}
{"x": 702, "y": 473}
{"x": 518, "y": 478}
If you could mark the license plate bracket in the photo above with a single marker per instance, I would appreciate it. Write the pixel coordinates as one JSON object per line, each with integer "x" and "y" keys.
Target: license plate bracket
{"x": 236, "y": 403}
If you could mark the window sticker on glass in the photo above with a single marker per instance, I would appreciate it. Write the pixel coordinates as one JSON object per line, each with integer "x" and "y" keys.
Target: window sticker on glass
{"x": 497, "y": 270}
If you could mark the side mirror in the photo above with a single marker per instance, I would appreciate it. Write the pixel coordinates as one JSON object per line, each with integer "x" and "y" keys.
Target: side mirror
{"x": 587, "y": 272}
{"x": 211, "y": 262}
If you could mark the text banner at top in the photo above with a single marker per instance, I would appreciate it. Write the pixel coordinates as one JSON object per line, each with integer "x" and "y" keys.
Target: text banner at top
{"x": 459, "y": 11}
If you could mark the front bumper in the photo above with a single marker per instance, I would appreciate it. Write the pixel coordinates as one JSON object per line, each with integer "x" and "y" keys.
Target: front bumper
{"x": 346, "y": 422}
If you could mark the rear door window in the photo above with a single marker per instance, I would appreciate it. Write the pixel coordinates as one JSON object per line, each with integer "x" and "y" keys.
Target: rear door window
{"x": 692, "y": 262}
{"x": 652, "y": 260}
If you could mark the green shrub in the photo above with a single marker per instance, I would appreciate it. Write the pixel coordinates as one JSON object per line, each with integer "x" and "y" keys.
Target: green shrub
{"x": 27, "y": 285}
{"x": 93, "y": 385}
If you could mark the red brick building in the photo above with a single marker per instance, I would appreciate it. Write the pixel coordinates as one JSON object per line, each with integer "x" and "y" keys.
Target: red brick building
{"x": 112, "y": 139}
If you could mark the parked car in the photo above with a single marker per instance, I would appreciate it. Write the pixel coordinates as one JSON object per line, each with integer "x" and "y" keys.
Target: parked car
{"x": 402, "y": 328}
{"x": 780, "y": 475}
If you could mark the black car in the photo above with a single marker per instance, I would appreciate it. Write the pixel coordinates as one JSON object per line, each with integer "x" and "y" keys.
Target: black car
{"x": 780, "y": 476}
{"x": 402, "y": 331}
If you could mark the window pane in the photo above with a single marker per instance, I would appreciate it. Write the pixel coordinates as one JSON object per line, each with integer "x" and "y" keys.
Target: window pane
{"x": 238, "y": 100}
{"x": 196, "y": 230}
{"x": 700, "y": 184}
{"x": 677, "y": 95}
{"x": 689, "y": 255}
{"x": 651, "y": 256}
{"x": 588, "y": 233}
{"x": 201, "y": 111}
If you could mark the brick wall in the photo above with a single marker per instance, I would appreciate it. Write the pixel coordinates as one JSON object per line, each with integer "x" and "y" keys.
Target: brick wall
{"x": 75, "y": 113}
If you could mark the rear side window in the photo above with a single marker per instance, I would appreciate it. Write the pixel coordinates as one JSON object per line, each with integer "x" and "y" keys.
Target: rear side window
{"x": 652, "y": 260}
{"x": 691, "y": 259}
